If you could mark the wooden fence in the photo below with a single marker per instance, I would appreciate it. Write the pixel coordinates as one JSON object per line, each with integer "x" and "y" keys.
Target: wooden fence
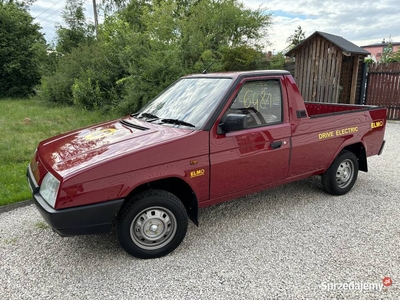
{"x": 383, "y": 88}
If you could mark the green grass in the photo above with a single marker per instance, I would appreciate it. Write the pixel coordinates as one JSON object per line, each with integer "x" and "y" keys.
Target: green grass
{"x": 23, "y": 124}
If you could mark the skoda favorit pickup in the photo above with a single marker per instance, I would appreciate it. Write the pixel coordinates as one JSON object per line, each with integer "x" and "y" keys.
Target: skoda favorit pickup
{"x": 206, "y": 139}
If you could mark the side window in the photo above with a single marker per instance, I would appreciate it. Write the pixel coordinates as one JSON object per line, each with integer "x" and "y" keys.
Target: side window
{"x": 261, "y": 101}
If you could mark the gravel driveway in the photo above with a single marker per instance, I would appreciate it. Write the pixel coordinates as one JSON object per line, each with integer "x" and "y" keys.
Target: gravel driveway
{"x": 292, "y": 242}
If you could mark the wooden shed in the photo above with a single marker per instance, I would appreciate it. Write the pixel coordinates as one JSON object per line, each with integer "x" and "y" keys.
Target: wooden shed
{"x": 329, "y": 68}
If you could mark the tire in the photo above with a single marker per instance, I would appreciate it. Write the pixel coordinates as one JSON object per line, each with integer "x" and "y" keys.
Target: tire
{"x": 152, "y": 225}
{"x": 341, "y": 175}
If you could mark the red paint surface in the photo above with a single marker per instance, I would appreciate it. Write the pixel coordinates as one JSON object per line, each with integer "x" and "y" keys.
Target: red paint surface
{"x": 108, "y": 161}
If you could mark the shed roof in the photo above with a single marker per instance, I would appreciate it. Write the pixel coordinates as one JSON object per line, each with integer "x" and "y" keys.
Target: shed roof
{"x": 340, "y": 42}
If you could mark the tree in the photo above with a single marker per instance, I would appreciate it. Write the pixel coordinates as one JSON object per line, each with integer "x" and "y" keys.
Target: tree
{"x": 277, "y": 62}
{"x": 77, "y": 30}
{"x": 21, "y": 45}
{"x": 187, "y": 36}
{"x": 110, "y": 6}
{"x": 396, "y": 56}
{"x": 213, "y": 26}
{"x": 241, "y": 58}
{"x": 296, "y": 38}
{"x": 145, "y": 46}
{"x": 389, "y": 56}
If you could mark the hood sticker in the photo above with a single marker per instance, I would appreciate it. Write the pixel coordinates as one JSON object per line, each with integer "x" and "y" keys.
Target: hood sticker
{"x": 98, "y": 134}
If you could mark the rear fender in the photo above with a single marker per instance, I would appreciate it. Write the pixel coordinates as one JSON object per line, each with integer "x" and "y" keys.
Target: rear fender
{"x": 359, "y": 151}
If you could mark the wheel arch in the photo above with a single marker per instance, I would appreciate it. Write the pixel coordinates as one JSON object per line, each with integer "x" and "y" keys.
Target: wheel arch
{"x": 176, "y": 186}
{"x": 359, "y": 151}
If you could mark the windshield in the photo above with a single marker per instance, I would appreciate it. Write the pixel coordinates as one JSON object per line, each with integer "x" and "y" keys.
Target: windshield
{"x": 188, "y": 101}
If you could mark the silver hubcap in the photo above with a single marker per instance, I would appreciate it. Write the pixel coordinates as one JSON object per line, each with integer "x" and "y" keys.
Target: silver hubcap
{"x": 153, "y": 228}
{"x": 345, "y": 173}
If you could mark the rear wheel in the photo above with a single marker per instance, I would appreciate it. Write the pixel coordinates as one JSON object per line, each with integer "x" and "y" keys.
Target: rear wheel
{"x": 152, "y": 225}
{"x": 342, "y": 174}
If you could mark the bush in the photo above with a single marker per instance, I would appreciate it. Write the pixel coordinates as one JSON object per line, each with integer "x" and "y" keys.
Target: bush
{"x": 86, "y": 65}
{"x": 155, "y": 71}
{"x": 142, "y": 50}
{"x": 241, "y": 59}
{"x": 87, "y": 93}
{"x": 57, "y": 88}
{"x": 277, "y": 62}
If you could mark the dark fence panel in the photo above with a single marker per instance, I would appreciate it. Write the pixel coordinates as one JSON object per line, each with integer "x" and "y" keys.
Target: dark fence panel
{"x": 383, "y": 88}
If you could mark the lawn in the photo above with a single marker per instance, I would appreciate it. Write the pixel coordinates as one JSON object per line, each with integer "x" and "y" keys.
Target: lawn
{"x": 24, "y": 123}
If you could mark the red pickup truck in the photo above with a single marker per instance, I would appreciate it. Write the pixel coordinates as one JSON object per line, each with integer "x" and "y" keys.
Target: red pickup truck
{"x": 206, "y": 139}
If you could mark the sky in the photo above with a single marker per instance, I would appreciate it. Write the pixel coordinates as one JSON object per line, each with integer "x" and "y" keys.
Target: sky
{"x": 361, "y": 22}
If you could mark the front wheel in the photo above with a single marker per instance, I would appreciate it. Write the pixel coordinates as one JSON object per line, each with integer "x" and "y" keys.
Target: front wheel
{"x": 342, "y": 174}
{"x": 152, "y": 225}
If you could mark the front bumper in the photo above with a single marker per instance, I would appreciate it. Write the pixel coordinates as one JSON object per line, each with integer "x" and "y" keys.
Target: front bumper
{"x": 88, "y": 219}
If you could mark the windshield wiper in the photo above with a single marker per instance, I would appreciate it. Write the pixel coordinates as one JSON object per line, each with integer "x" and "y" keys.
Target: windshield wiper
{"x": 147, "y": 116}
{"x": 177, "y": 122}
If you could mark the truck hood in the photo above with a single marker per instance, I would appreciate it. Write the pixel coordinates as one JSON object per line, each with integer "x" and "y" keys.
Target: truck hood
{"x": 77, "y": 150}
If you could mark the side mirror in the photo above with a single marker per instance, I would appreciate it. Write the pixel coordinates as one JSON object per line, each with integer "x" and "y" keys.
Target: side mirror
{"x": 233, "y": 122}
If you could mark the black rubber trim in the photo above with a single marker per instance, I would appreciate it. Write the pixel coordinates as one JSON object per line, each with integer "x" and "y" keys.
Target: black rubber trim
{"x": 88, "y": 219}
{"x": 32, "y": 182}
{"x": 301, "y": 114}
{"x": 128, "y": 124}
{"x": 383, "y": 145}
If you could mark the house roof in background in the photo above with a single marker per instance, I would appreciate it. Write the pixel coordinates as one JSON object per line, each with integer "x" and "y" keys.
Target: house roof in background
{"x": 382, "y": 44}
{"x": 339, "y": 41}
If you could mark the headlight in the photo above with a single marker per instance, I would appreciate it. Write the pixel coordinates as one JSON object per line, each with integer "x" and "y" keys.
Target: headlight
{"x": 49, "y": 189}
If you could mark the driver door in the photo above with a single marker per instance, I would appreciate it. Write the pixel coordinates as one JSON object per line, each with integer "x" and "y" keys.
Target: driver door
{"x": 257, "y": 156}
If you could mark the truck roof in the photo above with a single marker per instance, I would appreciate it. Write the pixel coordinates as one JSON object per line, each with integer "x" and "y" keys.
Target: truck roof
{"x": 237, "y": 74}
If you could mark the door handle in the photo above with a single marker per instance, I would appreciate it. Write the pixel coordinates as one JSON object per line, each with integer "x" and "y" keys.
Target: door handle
{"x": 276, "y": 145}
